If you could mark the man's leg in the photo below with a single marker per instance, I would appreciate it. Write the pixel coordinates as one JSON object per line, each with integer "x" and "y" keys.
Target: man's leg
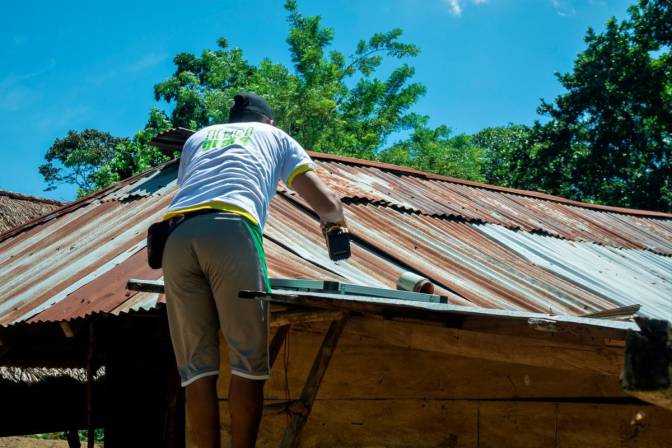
{"x": 203, "y": 411}
{"x": 246, "y": 403}
{"x": 232, "y": 263}
{"x": 193, "y": 323}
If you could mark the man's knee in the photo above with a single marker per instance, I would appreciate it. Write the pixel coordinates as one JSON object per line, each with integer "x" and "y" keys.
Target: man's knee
{"x": 202, "y": 387}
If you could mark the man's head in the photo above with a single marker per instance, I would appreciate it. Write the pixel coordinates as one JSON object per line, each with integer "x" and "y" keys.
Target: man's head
{"x": 250, "y": 107}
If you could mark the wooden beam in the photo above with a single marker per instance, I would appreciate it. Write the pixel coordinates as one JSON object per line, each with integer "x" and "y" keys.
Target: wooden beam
{"x": 67, "y": 329}
{"x": 648, "y": 362}
{"x": 293, "y": 407}
{"x": 312, "y": 386}
{"x": 298, "y": 317}
{"x": 621, "y": 312}
{"x": 572, "y": 329}
{"x": 135, "y": 284}
{"x": 593, "y": 329}
{"x": 510, "y": 349}
{"x": 276, "y": 344}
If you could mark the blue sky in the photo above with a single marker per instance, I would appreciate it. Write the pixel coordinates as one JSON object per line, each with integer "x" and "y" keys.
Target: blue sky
{"x": 79, "y": 64}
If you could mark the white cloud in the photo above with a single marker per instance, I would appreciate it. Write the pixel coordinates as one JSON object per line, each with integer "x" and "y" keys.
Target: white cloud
{"x": 14, "y": 95}
{"x": 16, "y": 98}
{"x": 456, "y": 6}
{"x": 564, "y": 7}
{"x": 65, "y": 117}
{"x": 145, "y": 62}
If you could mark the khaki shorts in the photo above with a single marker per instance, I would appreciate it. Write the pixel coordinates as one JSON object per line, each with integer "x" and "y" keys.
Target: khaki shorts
{"x": 207, "y": 260}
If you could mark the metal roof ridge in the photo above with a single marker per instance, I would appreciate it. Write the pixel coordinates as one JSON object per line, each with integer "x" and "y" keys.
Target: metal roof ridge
{"x": 536, "y": 194}
{"x": 74, "y": 205}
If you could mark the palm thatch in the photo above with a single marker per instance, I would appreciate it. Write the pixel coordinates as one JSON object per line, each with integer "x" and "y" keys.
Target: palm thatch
{"x": 32, "y": 375}
{"x": 17, "y": 209}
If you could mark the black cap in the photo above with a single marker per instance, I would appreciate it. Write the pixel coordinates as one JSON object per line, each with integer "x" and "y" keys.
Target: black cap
{"x": 250, "y": 102}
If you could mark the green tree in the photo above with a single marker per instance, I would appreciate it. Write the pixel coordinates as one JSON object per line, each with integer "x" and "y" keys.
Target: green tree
{"x": 652, "y": 20}
{"x": 80, "y": 155}
{"x": 93, "y": 159}
{"x": 436, "y": 151}
{"x": 609, "y": 137}
{"x": 506, "y": 155}
{"x": 328, "y": 102}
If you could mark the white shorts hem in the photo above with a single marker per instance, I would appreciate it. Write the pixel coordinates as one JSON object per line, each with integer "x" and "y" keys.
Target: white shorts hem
{"x": 249, "y": 376}
{"x": 198, "y": 377}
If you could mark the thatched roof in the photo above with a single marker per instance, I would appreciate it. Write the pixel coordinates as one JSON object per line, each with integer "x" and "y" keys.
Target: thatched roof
{"x": 16, "y": 209}
{"x": 32, "y": 375}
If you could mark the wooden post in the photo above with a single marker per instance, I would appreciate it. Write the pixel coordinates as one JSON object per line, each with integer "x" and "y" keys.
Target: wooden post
{"x": 310, "y": 389}
{"x": 89, "y": 388}
{"x": 647, "y": 373}
{"x": 72, "y": 436}
{"x": 175, "y": 426}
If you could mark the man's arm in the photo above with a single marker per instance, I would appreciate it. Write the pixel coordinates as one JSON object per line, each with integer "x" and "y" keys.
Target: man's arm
{"x": 320, "y": 198}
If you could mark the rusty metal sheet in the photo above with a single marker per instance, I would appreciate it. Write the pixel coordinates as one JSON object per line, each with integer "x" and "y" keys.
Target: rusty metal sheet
{"x": 104, "y": 294}
{"x": 75, "y": 262}
{"x": 70, "y": 259}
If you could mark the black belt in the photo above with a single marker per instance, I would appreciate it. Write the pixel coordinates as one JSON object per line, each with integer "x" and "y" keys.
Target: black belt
{"x": 158, "y": 233}
{"x": 180, "y": 218}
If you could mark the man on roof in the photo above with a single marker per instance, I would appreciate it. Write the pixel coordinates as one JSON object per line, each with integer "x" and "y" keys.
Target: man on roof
{"x": 227, "y": 176}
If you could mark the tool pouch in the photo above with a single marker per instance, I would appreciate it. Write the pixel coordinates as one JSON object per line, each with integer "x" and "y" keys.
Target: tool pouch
{"x": 157, "y": 235}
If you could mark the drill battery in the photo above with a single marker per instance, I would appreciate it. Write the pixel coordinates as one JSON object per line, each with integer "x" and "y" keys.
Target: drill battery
{"x": 338, "y": 241}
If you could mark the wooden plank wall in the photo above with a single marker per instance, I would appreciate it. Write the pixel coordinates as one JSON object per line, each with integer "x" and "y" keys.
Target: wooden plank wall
{"x": 378, "y": 395}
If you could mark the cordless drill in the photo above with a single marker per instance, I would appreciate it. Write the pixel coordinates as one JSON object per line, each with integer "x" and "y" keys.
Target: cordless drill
{"x": 337, "y": 238}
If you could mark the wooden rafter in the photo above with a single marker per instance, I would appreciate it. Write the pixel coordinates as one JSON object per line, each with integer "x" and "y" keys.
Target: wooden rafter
{"x": 312, "y": 386}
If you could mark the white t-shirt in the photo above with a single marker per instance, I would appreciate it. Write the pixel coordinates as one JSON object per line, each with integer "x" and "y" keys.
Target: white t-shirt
{"x": 236, "y": 167}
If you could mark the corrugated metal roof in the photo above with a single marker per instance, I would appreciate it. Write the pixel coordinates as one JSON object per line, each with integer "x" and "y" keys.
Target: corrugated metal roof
{"x": 624, "y": 276}
{"x": 449, "y": 199}
{"x": 76, "y": 261}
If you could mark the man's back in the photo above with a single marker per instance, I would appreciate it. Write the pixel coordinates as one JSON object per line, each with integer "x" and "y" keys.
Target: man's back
{"x": 236, "y": 167}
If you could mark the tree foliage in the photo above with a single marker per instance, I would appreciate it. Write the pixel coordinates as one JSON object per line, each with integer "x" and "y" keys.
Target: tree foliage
{"x": 436, "y": 151}
{"x": 506, "y": 154}
{"x": 92, "y": 159}
{"x": 328, "y": 102}
{"x": 608, "y": 139}
{"x": 80, "y": 154}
